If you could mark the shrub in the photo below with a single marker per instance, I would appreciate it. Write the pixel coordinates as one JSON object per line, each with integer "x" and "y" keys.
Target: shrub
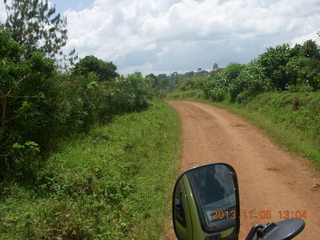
{"x": 40, "y": 105}
{"x": 24, "y": 104}
{"x": 105, "y": 71}
{"x": 303, "y": 71}
{"x": 273, "y": 63}
{"x": 250, "y": 82}
{"x": 130, "y": 94}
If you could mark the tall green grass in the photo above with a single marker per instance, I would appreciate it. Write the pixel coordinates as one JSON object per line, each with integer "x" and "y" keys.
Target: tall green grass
{"x": 113, "y": 183}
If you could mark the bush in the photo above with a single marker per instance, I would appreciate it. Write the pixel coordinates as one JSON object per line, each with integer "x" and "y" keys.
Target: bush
{"x": 273, "y": 63}
{"x": 217, "y": 95}
{"x": 303, "y": 71}
{"x": 191, "y": 83}
{"x": 231, "y": 72}
{"x": 105, "y": 71}
{"x": 24, "y": 104}
{"x": 250, "y": 82}
{"x": 113, "y": 182}
{"x": 40, "y": 105}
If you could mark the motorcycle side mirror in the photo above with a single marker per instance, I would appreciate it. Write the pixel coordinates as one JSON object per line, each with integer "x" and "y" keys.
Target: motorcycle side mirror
{"x": 283, "y": 230}
{"x": 205, "y": 203}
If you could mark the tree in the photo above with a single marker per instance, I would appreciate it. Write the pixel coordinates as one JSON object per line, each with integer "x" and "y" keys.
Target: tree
{"x": 21, "y": 80}
{"x": 105, "y": 71}
{"x": 250, "y": 82}
{"x": 215, "y": 67}
{"x": 153, "y": 81}
{"x": 303, "y": 71}
{"x": 231, "y": 72}
{"x": 24, "y": 108}
{"x": 36, "y": 26}
{"x": 310, "y": 49}
{"x": 273, "y": 61}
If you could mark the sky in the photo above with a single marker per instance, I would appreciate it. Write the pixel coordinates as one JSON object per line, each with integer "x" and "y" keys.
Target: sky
{"x": 164, "y": 36}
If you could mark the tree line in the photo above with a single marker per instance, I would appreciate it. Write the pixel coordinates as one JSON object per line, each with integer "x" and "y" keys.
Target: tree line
{"x": 39, "y": 104}
{"x": 162, "y": 84}
{"x": 280, "y": 68}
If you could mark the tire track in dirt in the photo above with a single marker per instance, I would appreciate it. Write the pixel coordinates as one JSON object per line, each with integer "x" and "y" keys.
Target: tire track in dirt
{"x": 270, "y": 179}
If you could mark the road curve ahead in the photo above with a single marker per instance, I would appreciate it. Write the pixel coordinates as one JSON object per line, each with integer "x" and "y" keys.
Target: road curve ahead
{"x": 271, "y": 180}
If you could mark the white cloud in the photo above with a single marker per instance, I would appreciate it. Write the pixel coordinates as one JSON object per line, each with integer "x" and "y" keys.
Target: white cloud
{"x": 171, "y": 35}
{"x": 311, "y": 36}
{"x": 2, "y": 12}
{"x": 179, "y": 35}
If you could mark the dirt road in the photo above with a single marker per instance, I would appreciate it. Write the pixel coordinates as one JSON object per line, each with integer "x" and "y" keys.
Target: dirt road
{"x": 270, "y": 179}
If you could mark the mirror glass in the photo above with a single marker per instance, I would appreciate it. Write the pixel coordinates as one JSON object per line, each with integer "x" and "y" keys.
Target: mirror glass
{"x": 206, "y": 201}
{"x": 214, "y": 190}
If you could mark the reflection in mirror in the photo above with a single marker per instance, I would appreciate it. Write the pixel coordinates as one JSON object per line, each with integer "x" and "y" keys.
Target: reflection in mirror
{"x": 215, "y": 194}
{"x": 206, "y": 203}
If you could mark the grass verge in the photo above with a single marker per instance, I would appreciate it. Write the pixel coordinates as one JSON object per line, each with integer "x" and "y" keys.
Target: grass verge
{"x": 292, "y": 120}
{"x": 113, "y": 183}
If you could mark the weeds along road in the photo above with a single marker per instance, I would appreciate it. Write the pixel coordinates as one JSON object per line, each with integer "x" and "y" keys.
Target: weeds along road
{"x": 270, "y": 179}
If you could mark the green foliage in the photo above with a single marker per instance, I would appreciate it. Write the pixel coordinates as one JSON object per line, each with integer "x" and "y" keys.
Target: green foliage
{"x": 35, "y": 25}
{"x": 163, "y": 84}
{"x": 249, "y": 83}
{"x": 217, "y": 95}
{"x": 230, "y": 73}
{"x": 214, "y": 88}
{"x": 78, "y": 102}
{"x": 105, "y": 71}
{"x": 112, "y": 183}
{"x": 303, "y": 71}
{"x": 278, "y": 69}
{"x": 299, "y": 88}
{"x": 293, "y": 118}
{"x": 23, "y": 102}
{"x": 191, "y": 83}
{"x": 273, "y": 62}
{"x": 194, "y": 94}
{"x": 217, "y": 87}
{"x": 309, "y": 49}
{"x": 40, "y": 105}
{"x": 9, "y": 49}
{"x": 130, "y": 94}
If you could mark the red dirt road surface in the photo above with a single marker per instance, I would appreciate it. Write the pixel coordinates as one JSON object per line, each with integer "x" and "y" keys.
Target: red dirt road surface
{"x": 274, "y": 184}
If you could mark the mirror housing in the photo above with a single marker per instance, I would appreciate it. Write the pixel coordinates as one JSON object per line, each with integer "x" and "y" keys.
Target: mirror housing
{"x": 283, "y": 230}
{"x": 206, "y": 203}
